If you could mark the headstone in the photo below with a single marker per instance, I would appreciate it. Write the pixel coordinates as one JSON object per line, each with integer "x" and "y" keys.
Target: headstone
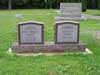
{"x": 19, "y": 16}
{"x": 67, "y": 36}
{"x": 70, "y": 12}
{"x": 67, "y": 32}
{"x": 31, "y": 33}
{"x": 31, "y": 38}
{"x": 71, "y": 9}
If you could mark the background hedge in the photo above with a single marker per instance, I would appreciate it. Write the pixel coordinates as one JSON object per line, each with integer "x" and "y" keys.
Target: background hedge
{"x": 18, "y": 4}
{"x": 99, "y": 4}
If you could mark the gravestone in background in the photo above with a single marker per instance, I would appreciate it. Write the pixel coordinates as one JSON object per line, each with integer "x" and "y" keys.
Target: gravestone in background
{"x": 70, "y": 11}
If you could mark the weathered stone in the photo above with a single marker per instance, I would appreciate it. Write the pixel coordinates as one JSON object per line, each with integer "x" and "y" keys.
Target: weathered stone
{"x": 70, "y": 12}
{"x": 59, "y": 18}
{"x": 71, "y": 9}
{"x": 66, "y": 38}
{"x": 67, "y": 32}
{"x": 31, "y": 33}
{"x": 47, "y": 48}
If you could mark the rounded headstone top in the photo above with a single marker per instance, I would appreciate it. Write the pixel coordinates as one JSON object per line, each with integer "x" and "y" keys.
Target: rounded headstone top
{"x": 68, "y": 22}
{"x": 31, "y": 22}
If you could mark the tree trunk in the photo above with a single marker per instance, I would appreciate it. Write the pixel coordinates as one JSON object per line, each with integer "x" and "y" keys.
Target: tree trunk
{"x": 50, "y": 5}
{"x": 46, "y": 4}
{"x": 9, "y": 4}
{"x": 99, "y": 4}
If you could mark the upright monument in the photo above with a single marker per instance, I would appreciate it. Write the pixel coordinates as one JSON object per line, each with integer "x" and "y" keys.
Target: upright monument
{"x": 31, "y": 38}
{"x": 70, "y": 12}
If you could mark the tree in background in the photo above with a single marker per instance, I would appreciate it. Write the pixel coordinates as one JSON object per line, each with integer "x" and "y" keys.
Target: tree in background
{"x": 46, "y": 1}
{"x": 99, "y": 4}
{"x": 3, "y": 4}
{"x": 51, "y": 3}
{"x": 9, "y": 4}
{"x": 38, "y": 4}
{"x": 84, "y": 5}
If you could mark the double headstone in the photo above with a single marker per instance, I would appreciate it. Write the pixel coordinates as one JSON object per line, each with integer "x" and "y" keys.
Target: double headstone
{"x": 31, "y": 38}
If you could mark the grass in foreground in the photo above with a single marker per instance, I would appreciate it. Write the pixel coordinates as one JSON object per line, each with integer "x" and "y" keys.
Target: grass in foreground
{"x": 47, "y": 65}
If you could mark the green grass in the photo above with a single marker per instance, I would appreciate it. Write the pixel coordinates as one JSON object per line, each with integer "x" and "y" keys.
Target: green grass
{"x": 76, "y": 64}
{"x": 93, "y": 12}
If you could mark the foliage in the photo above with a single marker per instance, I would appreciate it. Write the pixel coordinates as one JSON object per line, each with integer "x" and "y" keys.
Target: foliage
{"x": 84, "y": 5}
{"x": 99, "y": 4}
{"x": 37, "y": 3}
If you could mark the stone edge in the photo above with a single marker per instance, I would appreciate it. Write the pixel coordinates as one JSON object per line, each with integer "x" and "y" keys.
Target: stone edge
{"x": 87, "y": 51}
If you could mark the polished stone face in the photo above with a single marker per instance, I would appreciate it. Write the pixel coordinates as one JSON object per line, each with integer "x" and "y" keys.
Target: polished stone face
{"x": 67, "y": 32}
{"x": 30, "y": 33}
{"x": 71, "y": 9}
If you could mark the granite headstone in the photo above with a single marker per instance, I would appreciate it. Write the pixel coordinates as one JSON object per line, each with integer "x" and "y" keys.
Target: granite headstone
{"x": 67, "y": 32}
{"x": 70, "y": 12}
{"x": 71, "y": 9}
{"x": 31, "y": 33}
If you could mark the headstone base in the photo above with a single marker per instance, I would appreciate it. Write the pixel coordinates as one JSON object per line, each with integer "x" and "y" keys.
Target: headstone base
{"x": 48, "y": 47}
{"x": 61, "y": 18}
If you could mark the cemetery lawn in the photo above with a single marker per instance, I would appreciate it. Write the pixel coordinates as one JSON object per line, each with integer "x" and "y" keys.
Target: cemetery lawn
{"x": 67, "y": 64}
{"x": 93, "y": 12}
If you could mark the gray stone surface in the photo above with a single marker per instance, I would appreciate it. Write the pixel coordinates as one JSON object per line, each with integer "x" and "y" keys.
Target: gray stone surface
{"x": 30, "y": 32}
{"x": 71, "y": 9}
{"x": 65, "y": 44}
{"x": 48, "y": 47}
{"x": 93, "y": 17}
{"x": 67, "y": 32}
{"x": 59, "y": 18}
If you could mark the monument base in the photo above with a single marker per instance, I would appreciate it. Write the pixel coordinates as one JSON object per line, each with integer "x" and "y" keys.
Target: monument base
{"x": 61, "y": 18}
{"x": 48, "y": 47}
